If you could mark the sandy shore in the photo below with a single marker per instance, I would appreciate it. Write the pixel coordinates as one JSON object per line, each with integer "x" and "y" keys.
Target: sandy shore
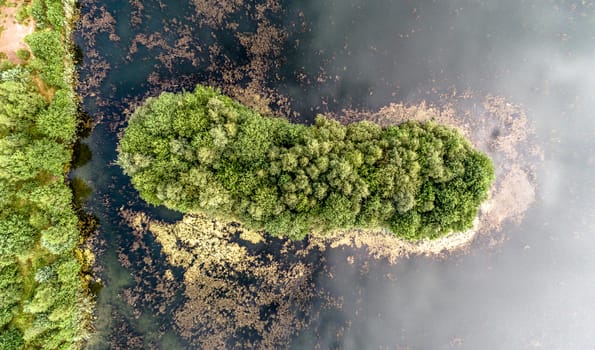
{"x": 12, "y": 36}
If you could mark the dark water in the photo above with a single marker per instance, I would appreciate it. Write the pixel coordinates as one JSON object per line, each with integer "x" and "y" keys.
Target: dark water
{"x": 537, "y": 291}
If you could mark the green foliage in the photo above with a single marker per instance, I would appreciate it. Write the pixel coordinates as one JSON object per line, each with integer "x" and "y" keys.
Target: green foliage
{"x": 23, "y": 13}
{"x": 203, "y": 152}
{"x": 21, "y": 102}
{"x": 39, "y": 13}
{"x": 39, "y": 156}
{"x": 10, "y": 291}
{"x": 55, "y": 14}
{"x": 11, "y": 339}
{"x": 59, "y": 121}
{"x": 23, "y": 54}
{"x": 49, "y": 55}
{"x": 43, "y": 299}
{"x": 61, "y": 237}
{"x": 18, "y": 236}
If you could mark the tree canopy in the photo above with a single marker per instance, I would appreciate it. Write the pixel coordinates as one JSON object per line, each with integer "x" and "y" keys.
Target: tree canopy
{"x": 44, "y": 303}
{"x": 202, "y": 152}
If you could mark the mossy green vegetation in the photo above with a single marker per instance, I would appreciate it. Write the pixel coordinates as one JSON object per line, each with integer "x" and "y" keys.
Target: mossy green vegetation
{"x": 44, "y": 302}
{"x": 202, "y": 152}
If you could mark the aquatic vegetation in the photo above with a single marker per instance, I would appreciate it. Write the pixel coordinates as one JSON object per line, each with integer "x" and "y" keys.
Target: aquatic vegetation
{"x": 202, "y": 152}
{"x": 43, "y": 298}
{"x": 235, "y": 297}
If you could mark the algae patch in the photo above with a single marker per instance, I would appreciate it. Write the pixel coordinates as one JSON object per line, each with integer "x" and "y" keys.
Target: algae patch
{"x": 235, "y": 291}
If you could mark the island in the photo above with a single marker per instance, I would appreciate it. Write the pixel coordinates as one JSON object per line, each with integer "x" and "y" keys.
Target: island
{"x": 202, "y": 152}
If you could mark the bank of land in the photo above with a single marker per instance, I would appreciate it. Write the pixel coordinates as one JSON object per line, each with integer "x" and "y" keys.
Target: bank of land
{"x": 44, "y": 302}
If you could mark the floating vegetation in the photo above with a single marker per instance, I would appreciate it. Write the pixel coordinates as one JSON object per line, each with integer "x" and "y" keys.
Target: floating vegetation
{"x": 237, "y": 294}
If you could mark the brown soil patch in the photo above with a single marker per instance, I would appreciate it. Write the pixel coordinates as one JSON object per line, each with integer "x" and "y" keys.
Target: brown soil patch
{"x": 44, "y": 90}
{"x": 13, "y": 34}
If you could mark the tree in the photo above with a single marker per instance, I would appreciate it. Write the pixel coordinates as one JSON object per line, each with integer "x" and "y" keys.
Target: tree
{"x": 59, "y": 121}
{"x": 49, "y": 53}
{"x": 418, "y": 179}
{"x": 10, "y": 291}
{"x": 39, "y": 303}
{"x": 18, "y": 236}
{"x": 11, "y": 339}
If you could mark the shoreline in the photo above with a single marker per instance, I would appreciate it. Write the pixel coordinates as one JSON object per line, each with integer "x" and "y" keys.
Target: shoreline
{"x": 50, "y": 305}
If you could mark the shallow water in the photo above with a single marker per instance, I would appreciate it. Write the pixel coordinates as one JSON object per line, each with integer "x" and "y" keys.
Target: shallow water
{"x": 535, "y": 290}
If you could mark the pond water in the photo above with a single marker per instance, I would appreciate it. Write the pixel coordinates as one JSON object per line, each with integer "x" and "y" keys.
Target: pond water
{"x": 534, "y": 290}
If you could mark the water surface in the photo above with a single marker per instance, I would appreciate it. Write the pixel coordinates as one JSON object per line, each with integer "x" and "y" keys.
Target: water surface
{"x": 536, "y": 290}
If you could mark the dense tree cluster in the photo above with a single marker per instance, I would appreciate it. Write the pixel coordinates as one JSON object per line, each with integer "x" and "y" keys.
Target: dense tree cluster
{"x": 42, "y": 293}
{"x": 202, "y": 152}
